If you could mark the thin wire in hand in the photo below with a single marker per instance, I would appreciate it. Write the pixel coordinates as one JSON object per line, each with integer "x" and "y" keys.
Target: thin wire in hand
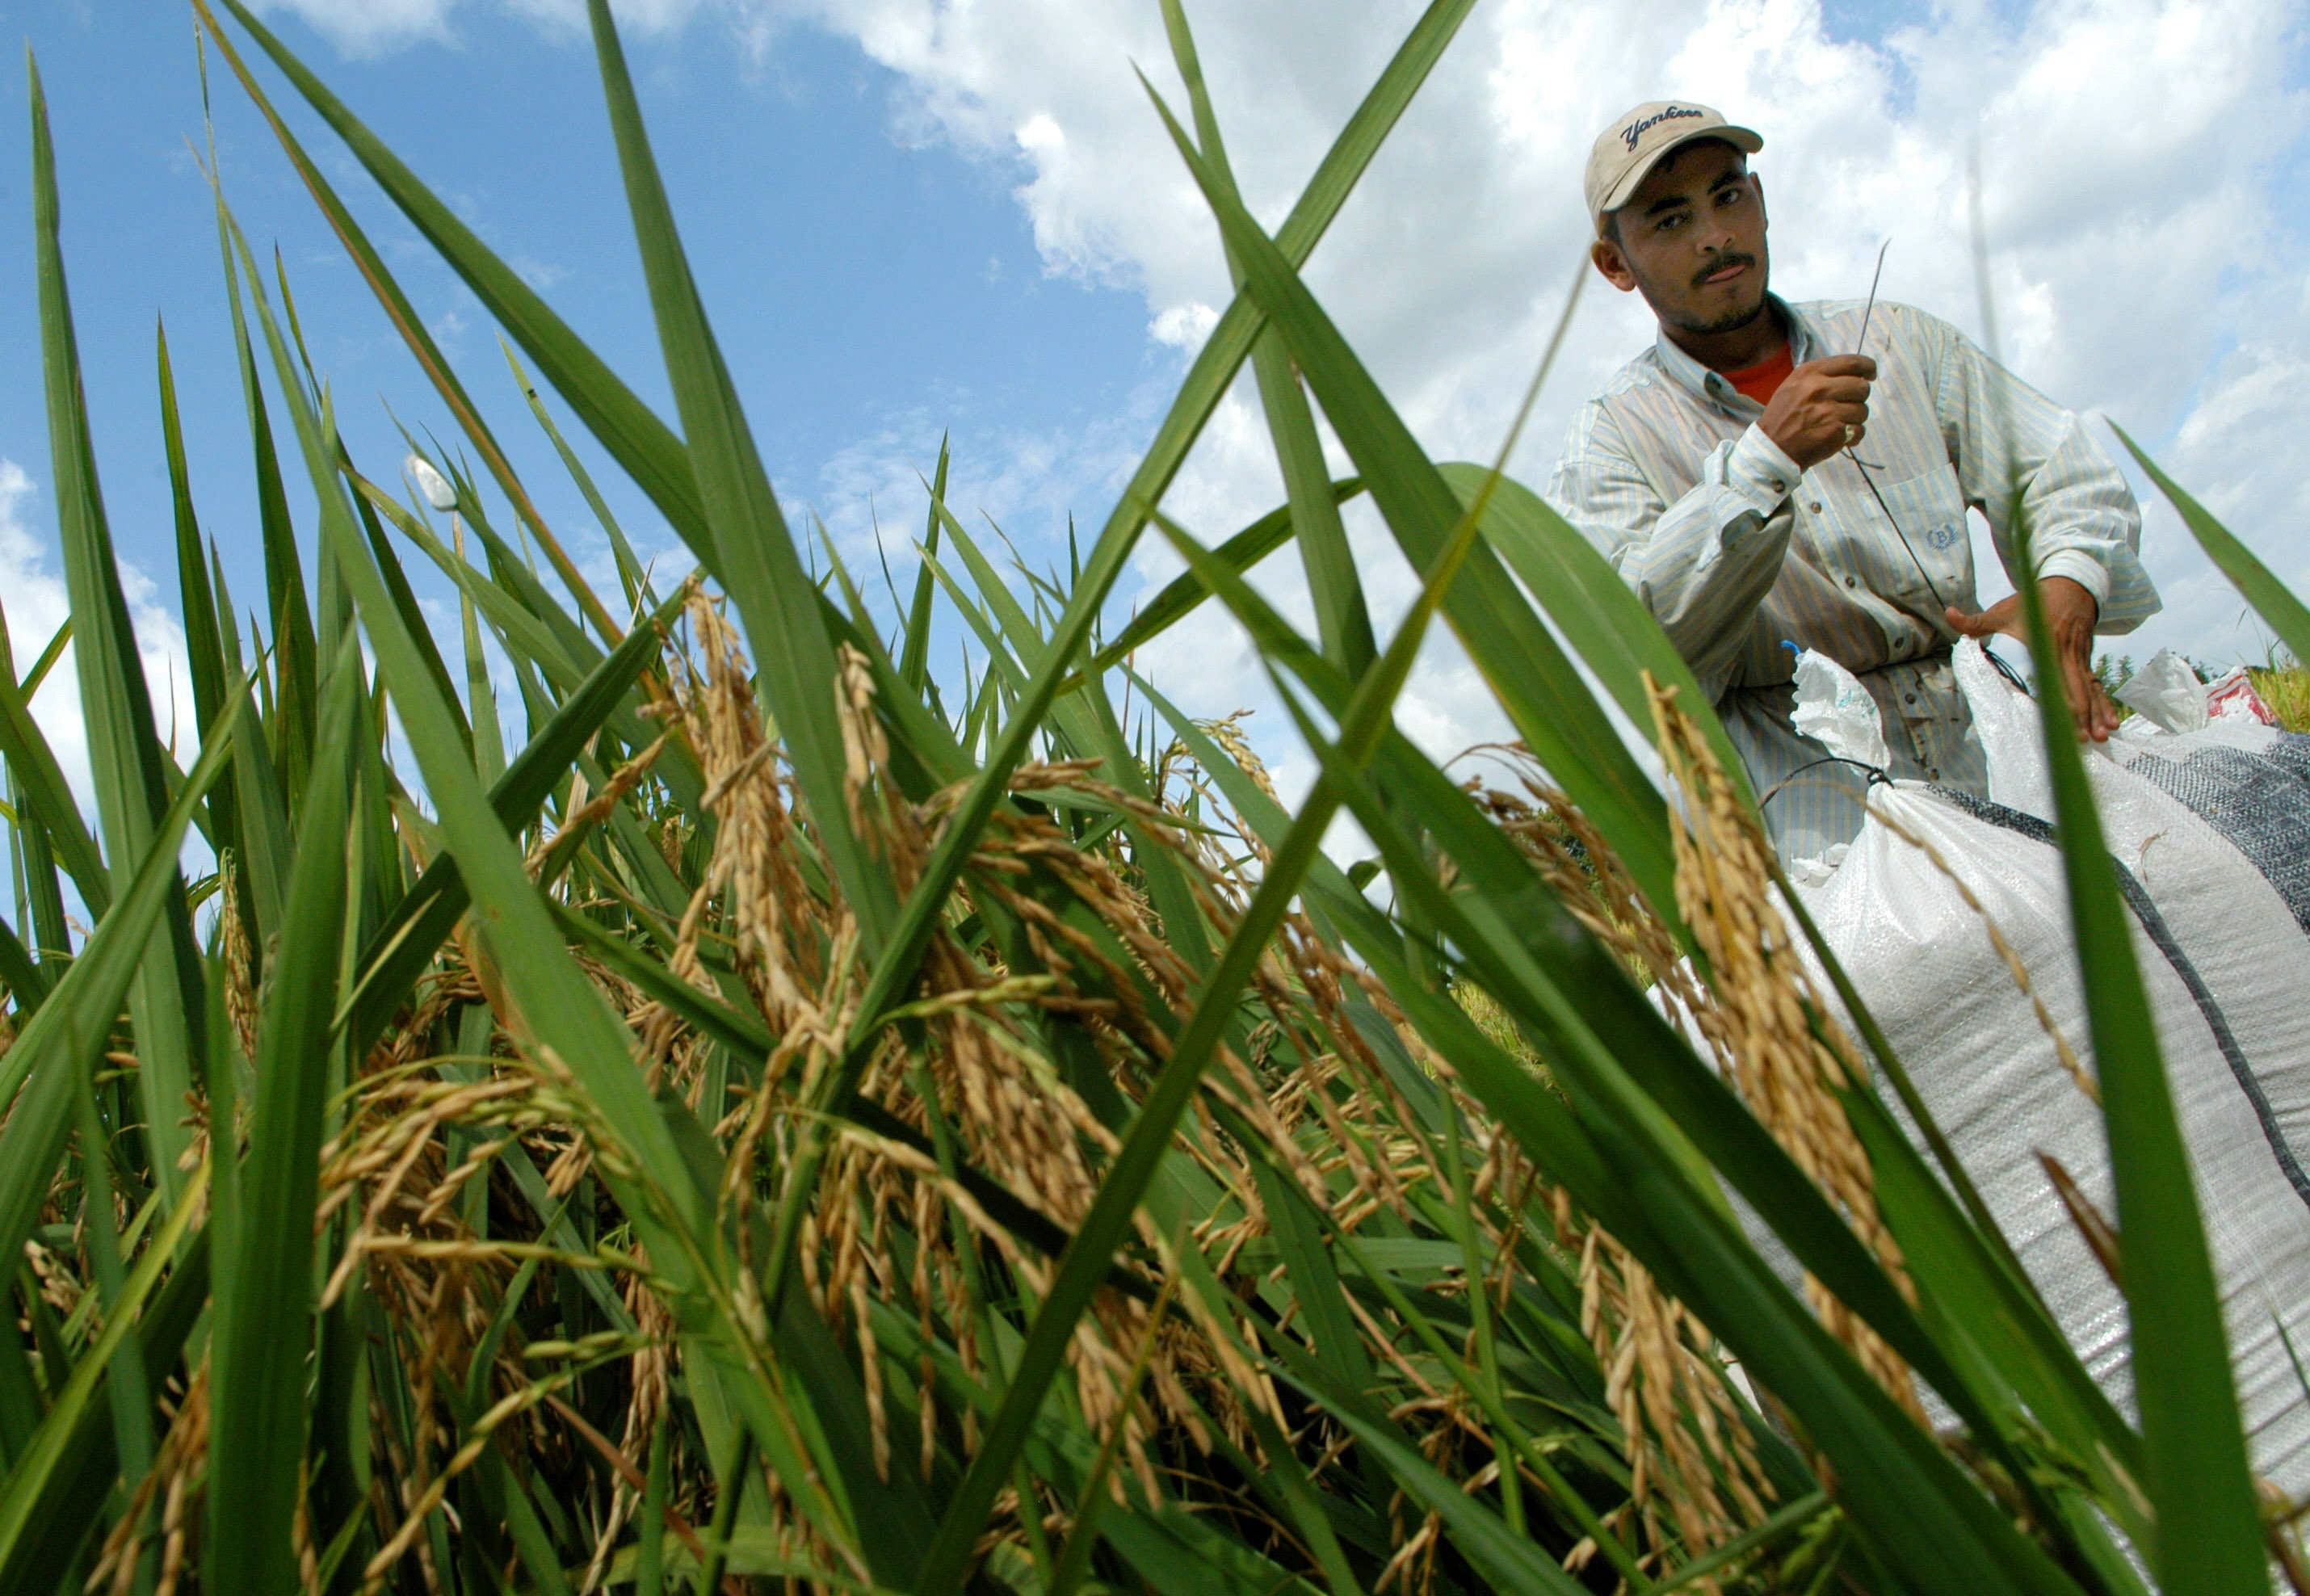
{"x": 1860, "y": 346}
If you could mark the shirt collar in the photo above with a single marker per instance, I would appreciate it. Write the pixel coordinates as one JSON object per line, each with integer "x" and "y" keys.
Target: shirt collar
{"x": 1701, "y": 383}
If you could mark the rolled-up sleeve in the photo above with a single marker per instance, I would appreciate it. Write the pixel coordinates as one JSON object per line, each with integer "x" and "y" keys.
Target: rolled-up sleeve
{"x": 2008, "y": 439}
{"x": 1703, "y": 564}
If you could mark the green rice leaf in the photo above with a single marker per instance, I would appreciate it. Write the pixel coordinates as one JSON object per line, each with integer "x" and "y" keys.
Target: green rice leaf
{"x": 665, "y": 1182}
{"x": 406, "y": 940}
{"x": 24, "y": 979}
{"x": 210, "y": 672}
{"x": 631, "y": 573}
{"x": 49, "y": 655}
{"x": 44, "y": 796}
{"x": 405, "y": 320}
{"x": 1207, "y": 380}
{"x": 641, "y": 444}
{"x": 2284, "y": 613}
{"x": 1599, "y": 615}
{"x": 1507, "y": 1561}
{"x": 1342, "y": 620}
{"x": 2208, "y": 1536}
{"x": 265, "y": 1278}
{"x": 1528, "y": 673}
{"x": 1135, "y": 1166}
{"x": 1917, "y": 1507}
{"x": 396, "y": 582}
{"x": 800, "y": 675}
{"x": 914, "y": 654}
{"x": 1505, "y": 923}
{"x": 63, "y": 1040}
{"x": 296, "y": 650}
{"x": 44, "y": 1521}
{"x": 1180, "y": 596}
{"x": 126, "y": 759}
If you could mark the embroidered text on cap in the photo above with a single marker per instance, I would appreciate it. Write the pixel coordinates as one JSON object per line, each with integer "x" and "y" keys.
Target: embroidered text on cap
{"x": 1636, "y": 130}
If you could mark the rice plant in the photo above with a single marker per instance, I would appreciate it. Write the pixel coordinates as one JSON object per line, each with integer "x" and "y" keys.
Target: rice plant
{"x": 784, "y": 1126}
{"x": 2285, "y": 687}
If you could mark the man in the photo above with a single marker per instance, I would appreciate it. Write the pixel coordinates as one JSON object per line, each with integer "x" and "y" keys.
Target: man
{"x": 1767, "y": 485}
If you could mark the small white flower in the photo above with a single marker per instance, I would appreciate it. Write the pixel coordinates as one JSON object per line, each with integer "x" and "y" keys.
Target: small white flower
{"x": 431, "y": 483}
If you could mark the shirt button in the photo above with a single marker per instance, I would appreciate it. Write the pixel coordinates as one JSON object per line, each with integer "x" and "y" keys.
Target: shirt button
{"x": 1932, "y": 773}
{"x": 1852, "y": 581}
{"x": 1814, "y": 506}
{"x": 1779, "y": 486}
{"x": 1908, "y": 698}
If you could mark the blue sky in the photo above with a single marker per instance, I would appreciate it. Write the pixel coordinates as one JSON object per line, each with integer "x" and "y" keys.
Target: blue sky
{"x": 909, "y": 215}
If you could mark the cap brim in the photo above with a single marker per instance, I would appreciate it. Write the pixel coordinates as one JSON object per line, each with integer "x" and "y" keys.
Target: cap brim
{"x": 1743, "y": 139}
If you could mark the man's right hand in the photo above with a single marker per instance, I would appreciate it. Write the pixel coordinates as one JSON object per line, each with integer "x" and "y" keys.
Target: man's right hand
{"x": 1819, "y": 408}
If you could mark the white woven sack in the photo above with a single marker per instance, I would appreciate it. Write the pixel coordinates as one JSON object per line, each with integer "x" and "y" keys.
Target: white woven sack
{"x": 2175, "y": 810}
{"x": 1990, "y": 1074}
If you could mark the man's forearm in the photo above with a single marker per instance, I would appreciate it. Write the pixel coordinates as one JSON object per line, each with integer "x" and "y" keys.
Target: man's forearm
{"x": 1715, "y": 554}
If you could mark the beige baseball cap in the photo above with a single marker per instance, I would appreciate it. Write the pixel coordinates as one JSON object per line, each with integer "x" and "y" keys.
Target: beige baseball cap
{"x": 1637, "y": 139}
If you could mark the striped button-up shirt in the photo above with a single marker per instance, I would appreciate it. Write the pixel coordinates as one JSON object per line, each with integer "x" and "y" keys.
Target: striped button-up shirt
{"x": 1744, "y": 558}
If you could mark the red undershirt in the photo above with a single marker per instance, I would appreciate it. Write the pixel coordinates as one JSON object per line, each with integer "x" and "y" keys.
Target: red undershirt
{"x": 1761, "y": 381}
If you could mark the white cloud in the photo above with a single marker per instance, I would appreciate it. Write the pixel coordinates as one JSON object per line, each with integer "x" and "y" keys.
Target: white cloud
{"x": 35, "y": 604}
{"x": 33, "y": 597}
{"x": 1184, "y": 326}
{"x": 2241, "y": 452}
{"x": 370, "y": 27}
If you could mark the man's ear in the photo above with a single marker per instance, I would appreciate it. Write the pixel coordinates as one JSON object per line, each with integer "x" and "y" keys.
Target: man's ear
{"x": 1757, "y": 184}
{"x": 1606, "y": 257}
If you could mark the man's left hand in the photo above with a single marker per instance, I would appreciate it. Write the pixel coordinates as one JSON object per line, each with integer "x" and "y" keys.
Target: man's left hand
{"x": 2070, "y": 611}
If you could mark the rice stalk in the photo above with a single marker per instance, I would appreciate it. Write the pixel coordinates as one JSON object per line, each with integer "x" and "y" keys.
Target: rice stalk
{"x": 1788, "y": 1055}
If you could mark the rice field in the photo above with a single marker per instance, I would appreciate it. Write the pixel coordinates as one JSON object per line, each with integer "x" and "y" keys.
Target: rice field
{"x": 2286, "y": 689}
{"x": 779, "y": 1124}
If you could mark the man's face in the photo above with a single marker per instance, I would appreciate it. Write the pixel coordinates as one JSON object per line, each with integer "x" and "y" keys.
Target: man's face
{"x": 1691, "y": 240}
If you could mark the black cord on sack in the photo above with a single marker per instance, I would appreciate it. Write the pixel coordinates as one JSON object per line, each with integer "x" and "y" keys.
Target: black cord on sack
{"x": 2008, "y": 672}
{"x": 1877, "y": 777}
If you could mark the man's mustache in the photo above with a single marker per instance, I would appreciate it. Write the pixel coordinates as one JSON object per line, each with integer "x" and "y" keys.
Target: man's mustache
{"x": 1717, "y": 264}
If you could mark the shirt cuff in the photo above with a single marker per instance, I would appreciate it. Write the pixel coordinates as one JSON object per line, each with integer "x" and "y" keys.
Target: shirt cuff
{"x": 2079, "y": 568}
{"x": 1759, "y": 471}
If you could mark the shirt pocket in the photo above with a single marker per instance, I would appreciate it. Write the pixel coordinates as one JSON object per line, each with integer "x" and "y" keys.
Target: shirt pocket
{"x": 1928, "y": 529}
